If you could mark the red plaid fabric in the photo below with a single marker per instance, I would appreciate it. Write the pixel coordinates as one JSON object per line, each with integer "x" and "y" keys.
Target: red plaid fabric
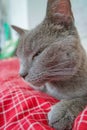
{"x": 81, "y": 121}
{"x": 21, "y": 107}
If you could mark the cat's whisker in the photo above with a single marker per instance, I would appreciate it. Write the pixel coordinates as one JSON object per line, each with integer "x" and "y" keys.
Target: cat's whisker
{"x": 61, "y": 69}
{"x": 60, "y": 65}
{"x": 57, "y": 72}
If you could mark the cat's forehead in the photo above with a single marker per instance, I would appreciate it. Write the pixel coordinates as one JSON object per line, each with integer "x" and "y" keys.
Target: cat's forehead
{"x": 43, "y": 34}
{"x": 30, "y": 41}
{"x": 36, "y": 38}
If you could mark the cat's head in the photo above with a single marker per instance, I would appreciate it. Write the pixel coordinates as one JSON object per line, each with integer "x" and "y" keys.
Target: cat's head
{"x": 51, "y": 51}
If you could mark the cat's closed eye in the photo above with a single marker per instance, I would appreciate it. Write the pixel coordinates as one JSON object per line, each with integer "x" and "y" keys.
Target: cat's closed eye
{"x": 36, "y": 55}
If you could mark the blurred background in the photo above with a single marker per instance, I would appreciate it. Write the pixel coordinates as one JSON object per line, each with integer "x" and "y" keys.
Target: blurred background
{"x": 29, "y": 13}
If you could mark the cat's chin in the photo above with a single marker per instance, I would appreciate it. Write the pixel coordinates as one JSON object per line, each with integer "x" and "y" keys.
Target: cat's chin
{"x": 37, "y": 83}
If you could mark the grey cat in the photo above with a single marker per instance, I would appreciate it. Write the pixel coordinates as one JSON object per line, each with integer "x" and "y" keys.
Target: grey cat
{"x": 52, "y": 59}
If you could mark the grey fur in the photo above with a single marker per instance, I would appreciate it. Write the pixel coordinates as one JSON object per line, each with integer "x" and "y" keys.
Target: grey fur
{"x": 52, "y": 58}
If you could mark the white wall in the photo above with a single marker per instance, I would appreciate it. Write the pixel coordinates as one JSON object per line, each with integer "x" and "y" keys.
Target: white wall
{"x": 36, "y": 9}
{"x": 80, "y": 13}
{"x": 18, "y": 13}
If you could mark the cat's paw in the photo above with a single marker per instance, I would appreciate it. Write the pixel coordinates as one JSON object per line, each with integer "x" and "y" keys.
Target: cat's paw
{"x": 61, "y": 117}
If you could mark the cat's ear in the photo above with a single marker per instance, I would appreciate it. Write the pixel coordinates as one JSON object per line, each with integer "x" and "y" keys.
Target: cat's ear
{"x": 19, "y": 30}
{"x": 59, "y": 12}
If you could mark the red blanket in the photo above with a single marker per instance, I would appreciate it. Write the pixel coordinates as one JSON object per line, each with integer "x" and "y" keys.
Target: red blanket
{"x": 21, "y": 107}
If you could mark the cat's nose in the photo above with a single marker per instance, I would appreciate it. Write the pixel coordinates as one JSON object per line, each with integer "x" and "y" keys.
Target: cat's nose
{"x": 23, "y": 74}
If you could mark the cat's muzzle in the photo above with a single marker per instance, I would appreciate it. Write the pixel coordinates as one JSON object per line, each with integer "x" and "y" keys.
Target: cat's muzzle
{"x": 23, "y": 75}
